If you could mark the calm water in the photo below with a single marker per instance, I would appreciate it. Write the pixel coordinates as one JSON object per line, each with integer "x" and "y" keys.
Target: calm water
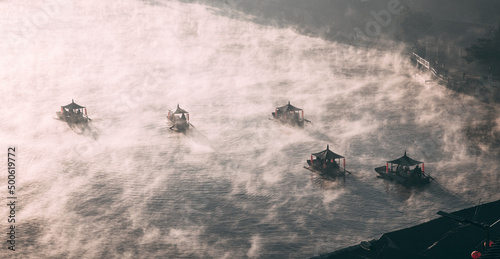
{"x": 235, "y": 186}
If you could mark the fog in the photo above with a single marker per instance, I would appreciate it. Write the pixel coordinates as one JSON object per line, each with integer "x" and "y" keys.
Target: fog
{"x": 234, "y": 186}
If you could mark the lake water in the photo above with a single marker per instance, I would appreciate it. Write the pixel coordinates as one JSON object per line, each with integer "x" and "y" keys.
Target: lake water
{"x": 234, "y": 186}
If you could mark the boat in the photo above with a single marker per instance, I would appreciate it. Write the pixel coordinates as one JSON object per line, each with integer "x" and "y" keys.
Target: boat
{"x": 179, "y": 119}
{"x": 73, "y": 114}
{"x": 327, "y": 164}
{"x": 289, "y": 114}
{"x": 400, "y": 170}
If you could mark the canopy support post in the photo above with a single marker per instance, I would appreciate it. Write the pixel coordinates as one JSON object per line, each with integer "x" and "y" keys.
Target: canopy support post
{"x": 386, "y": 168}
{"x": 344, "y": 166}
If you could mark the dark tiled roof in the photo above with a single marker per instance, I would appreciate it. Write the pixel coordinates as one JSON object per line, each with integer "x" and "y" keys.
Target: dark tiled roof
{"x": 73, "y": 105}
{"x": 288, "y": 108}
{"x": 405, "y": 161}
{"x": 327, "y": 154}
{"x": 438, "y": 238}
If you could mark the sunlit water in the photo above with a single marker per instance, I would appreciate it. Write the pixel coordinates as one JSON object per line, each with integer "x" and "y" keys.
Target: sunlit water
{"x": 234, "y": 186}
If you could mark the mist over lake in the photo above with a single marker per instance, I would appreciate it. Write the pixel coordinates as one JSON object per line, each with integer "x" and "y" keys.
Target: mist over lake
{"x": 234, "y": 186}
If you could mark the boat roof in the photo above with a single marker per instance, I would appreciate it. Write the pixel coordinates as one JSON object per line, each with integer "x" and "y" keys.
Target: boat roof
{"x": 288, "y": 108}
{"x": 327, "y": 154}
{"x": 73, "y": 105}
{"x": 179, "y": 110}
{"x": 405, "y": 161}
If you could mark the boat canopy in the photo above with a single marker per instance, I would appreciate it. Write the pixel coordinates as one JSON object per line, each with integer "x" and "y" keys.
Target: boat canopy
{"x": 72, "y": 106}
{"x": 405, "y": 161}
{"x": 288, "y": 108}
{"x": 327, "y": 154}
{"x": 179, "y": 110}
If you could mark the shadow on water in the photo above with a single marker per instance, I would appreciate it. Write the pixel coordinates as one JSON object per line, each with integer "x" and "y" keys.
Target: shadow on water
{"x": 438, "y": 190}
{"x": 403, "y": 193}
{"x": 84, "y": 129}
{"x": 327, "y": 183}
{"x": 194, "y": 134}
{"x": 400, "y": 192}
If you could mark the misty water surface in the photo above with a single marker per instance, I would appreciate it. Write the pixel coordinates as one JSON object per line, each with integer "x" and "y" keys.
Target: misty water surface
{"x": 235, "y": 186}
